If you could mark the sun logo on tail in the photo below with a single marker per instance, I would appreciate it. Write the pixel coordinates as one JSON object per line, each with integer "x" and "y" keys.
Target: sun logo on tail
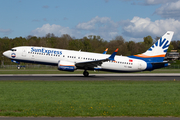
{"x": 160, "y": 45}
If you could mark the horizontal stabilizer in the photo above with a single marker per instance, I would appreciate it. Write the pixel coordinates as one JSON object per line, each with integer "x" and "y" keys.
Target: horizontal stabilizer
{"x": 157, "y": 65}
{"x": 164, "y": 62}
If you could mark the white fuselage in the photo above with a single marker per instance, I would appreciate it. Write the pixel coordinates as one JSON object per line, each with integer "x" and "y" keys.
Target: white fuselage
{"x": 51, "y": 56}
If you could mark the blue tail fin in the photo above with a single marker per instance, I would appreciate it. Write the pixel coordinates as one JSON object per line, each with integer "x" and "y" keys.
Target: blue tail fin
{"x": 156, "y": 52}
{"x": 105, "y": 51}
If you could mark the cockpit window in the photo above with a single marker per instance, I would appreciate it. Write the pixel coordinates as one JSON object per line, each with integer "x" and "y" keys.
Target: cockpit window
{"x": 13, "y": 49}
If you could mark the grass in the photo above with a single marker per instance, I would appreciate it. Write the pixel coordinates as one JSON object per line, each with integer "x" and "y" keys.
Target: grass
{"x": 55, "y": 71}
{"x": 89, "y": 98}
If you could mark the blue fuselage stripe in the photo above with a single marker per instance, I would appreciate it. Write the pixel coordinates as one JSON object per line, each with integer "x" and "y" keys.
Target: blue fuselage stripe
{"x": 150, "y": 61}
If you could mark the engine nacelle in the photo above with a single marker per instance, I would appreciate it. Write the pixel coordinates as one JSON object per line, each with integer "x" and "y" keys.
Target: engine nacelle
{"x": 66, "y": 66}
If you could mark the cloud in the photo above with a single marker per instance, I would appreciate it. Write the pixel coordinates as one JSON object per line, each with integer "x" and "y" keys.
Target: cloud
{"x": 106, "y": 1}
{"x": 135, "y": 29}
{"x": 6, "y": 31}
{"x": 141, "y": 27}
{"x": 102, "y": 26}
{"x": 65, "y": 18}
{"x": 96, "y": 22}
{"x": 155, "y": 2}
{"x": 46, "y": 6}
{"x": 56, "y": 29}
{"x": 148, "y": 2}
{"x": 44, "y": 19}
{"x": 169, "y": 10}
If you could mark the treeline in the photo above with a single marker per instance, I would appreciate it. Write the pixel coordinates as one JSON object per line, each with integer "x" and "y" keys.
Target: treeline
{"x": 90, "y": 44}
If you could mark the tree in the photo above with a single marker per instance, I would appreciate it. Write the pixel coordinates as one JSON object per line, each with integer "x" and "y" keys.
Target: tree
{"x": 86, "y": 44}
{"x": 118, "y": 43}
{"x": 50, "y": 35}
{"x": 148, "y": 41}
{"x": 97, "y": 43}
{"x": 170, "y": 48}
{"x": 132, "y": 48}
{"x": 75, "y": 45}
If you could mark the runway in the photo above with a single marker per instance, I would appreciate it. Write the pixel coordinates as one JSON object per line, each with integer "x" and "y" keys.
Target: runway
{"x": 95, "y": 77}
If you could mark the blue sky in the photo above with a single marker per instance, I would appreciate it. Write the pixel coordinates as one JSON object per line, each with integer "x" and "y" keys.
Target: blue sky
{"x": 132, "y": 19}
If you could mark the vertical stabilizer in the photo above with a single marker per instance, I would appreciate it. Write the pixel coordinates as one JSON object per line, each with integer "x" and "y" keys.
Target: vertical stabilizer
{"x": 157, "y": 52}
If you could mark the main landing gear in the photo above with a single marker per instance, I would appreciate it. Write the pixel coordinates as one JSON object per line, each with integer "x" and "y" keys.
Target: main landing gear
{"x": 85, "y": 73}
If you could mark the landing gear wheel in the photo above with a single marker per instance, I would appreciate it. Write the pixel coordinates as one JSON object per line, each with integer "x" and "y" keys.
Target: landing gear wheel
{"x": 85, "y": 73}
{"x": 18, "y": 67}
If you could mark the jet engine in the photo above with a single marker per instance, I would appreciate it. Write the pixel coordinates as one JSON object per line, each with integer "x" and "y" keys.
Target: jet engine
{"x": 66, "y": 66}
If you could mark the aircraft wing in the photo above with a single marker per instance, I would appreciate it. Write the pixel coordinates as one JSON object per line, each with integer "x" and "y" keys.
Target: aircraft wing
{"x": 92, "y": 64}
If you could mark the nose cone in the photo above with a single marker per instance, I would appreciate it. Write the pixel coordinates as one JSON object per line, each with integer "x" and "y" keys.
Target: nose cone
{"x": 6, "y": 53}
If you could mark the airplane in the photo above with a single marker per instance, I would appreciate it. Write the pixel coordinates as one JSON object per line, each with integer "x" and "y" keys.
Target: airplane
{"x": 70, "y": 60}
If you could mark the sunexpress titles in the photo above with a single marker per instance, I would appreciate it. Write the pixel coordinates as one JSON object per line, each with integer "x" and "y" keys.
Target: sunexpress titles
{"x": 43, "y": 50}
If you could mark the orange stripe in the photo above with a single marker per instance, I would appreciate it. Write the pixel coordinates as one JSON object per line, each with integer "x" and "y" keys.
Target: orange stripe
{"x": 106, "y": 49}
{"x": 66, "y": 65}
{"x": 145, "y": 56}
{"x": 116, "y": 49}
{"x": 115, "y": 61}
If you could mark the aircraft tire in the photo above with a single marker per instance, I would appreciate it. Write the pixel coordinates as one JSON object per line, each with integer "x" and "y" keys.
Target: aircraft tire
{"x": 86, "y": 74}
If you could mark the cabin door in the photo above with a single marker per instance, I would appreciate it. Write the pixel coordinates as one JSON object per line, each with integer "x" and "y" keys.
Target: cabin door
{"x": 24, "y": 52}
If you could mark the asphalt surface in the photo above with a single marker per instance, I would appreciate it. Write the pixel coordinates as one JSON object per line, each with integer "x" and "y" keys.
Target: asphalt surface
{"x": 77, "y": 77}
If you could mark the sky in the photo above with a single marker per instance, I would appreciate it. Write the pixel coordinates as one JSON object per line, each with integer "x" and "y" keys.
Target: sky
{"x": 132, "y": 19}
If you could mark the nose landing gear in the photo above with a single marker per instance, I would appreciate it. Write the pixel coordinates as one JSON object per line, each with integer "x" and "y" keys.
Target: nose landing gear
{"x": 85, "y": 73}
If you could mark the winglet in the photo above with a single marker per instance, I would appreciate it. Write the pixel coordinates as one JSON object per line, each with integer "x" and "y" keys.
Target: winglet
{"x": 105, "y": 51}
{"x": 113, "y": 55}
